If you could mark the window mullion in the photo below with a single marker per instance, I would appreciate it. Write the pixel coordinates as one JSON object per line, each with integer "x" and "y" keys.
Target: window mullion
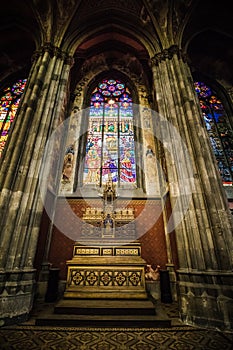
{"x": 118, "y": 140}
{"x": 102, "y": 141}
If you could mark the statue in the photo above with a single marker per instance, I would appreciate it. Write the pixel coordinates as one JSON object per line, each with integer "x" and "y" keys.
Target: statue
{"x": 151, "y": 274}
{"x": 108, "y": 222}
{"x": 109, "y": 193}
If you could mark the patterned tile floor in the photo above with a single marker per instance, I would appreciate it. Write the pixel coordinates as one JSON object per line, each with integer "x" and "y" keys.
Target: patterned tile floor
{"x": 27, "y": 336}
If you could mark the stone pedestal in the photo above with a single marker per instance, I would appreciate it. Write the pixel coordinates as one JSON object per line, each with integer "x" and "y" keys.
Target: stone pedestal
{"x": 16, "y": 298}
{"x": 206, "y": 298}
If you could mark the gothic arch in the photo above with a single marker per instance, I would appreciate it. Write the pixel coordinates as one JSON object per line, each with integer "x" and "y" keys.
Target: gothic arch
{"x": 82, "y": 92}
{"x": 91, "y": 26}
{"x": 95, "y": 70}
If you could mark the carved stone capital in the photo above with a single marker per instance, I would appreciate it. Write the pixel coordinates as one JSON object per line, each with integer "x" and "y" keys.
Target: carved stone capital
{"x": 58, "y": 52}
{"x": 154, "y": 61}
{"x": 48, "y": 47}
{"x": 53, "y": 51}
{"x": 168, "y": 53}
{"x": 69, "y": 60}
{"x": 36, "y": 55}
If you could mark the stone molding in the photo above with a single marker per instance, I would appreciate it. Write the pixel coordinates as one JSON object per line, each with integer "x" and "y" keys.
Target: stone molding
{"x": 53, "y": 51}
{"x": 168, "y": 53}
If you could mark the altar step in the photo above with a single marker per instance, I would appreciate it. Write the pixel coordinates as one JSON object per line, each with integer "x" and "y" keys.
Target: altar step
{"x": 105, "y": 307}
{"x": 104, "y": 313}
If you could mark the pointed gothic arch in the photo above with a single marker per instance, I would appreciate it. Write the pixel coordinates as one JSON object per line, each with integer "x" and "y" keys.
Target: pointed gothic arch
{"x": 78, "y": 154}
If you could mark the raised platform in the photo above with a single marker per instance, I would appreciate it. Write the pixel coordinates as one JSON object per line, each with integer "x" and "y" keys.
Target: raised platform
{"x": 104, "y": 313}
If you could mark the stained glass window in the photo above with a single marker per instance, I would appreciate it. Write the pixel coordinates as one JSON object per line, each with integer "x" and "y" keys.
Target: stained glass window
{"x": 218, "y": 128}
{"x": 110, "y": 140}
{"x": 9, "y": 103}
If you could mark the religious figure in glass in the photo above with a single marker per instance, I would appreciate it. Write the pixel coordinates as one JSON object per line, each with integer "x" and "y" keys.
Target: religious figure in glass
{"x": 110, "y": 141}
{"x": 9, "y": 102}
{"x": 218, "y": 128}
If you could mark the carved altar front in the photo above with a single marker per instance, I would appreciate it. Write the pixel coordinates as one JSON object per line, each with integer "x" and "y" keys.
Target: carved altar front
{"x": 106, "y": 272}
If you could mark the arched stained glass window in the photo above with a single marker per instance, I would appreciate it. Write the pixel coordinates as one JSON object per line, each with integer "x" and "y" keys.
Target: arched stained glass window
{"x": 9, "y": 103}
{"x": 110, "y": 139}
{"x": 218, "y": 128}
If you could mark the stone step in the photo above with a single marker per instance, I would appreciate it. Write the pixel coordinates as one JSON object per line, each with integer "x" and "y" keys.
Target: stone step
{"x": 105, "y": 307}
{"x": 142, "y": 321}
{"x": 90, "y": 313}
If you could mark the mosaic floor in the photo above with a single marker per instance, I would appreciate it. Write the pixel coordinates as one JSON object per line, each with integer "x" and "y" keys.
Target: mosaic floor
{"x": 27, "y": 336}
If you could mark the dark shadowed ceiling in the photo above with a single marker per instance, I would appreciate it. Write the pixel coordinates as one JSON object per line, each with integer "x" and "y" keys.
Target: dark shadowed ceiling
{"x": 208, "y": 37}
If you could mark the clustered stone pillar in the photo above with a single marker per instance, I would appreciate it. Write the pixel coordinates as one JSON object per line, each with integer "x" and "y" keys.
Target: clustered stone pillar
{"x": 20, "y": 204}
{"x": 204, "y": 236}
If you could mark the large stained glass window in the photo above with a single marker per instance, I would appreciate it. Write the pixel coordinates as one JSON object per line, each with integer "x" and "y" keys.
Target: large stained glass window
{"x": 110, "y": 139}
{"x": 9, "y": 103}
{"x": 218, "y": 128}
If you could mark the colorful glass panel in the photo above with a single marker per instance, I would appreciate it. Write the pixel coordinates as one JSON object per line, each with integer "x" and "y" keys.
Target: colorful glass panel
{"x": 110, "y": 141}
{"x": 9, "y": 103}
{"x": 218, "y": 128}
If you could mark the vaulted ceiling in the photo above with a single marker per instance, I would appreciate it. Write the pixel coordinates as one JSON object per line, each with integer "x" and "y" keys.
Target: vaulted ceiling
{"x": 203, "y": 28}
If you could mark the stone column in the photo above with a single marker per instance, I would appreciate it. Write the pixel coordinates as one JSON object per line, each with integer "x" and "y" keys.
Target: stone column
{"x": 230, "y": 93}
{"x": 21, "y": 206}
{"x": 204, "y": 236}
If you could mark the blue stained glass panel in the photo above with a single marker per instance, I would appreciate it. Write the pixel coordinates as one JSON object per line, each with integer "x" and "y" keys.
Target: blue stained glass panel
{"x": 218, "y": 128}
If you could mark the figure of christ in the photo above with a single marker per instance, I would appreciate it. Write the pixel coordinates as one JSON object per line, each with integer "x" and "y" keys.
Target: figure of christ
{"x": 108, "y": 224}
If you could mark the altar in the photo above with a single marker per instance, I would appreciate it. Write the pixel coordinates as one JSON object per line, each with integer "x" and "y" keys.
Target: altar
{"x": 105, "y": 284}
{"x": 107, "y": 262}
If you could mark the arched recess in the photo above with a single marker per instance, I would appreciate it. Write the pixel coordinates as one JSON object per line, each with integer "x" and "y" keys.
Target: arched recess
{"x": 111, "y": 48}
{"x": 121, "y": 50}
{"x": 154, "y": 242}
{"x": 135, "y": 132}
{"x": 104, "y": 18}
{"x": 89, "y": 74}
{"x": 117, "y": 53}
{"x": 79, "y": 122}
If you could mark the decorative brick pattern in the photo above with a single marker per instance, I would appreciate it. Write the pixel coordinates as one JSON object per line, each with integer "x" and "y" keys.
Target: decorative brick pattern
{"x": 153, "y": 243}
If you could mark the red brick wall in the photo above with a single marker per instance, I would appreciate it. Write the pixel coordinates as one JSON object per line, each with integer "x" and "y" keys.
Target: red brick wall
{"x": 146, "y": 211}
